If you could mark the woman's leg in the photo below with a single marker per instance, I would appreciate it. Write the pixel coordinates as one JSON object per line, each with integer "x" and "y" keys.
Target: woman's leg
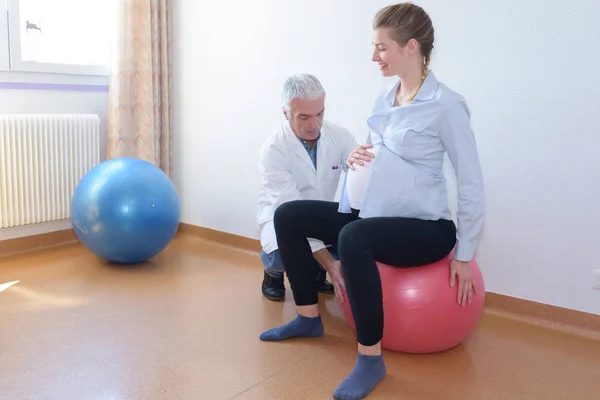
{"x": 296, "y": 221}
{"x": 402, "y": 242}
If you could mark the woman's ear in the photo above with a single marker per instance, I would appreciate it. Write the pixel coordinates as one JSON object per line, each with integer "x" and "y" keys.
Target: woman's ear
{"x": 413, "y": 47}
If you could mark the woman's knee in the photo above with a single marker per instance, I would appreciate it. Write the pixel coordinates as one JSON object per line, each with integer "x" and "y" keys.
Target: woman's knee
{"x": 287, "y": 213}
{"x": 352, "y": 237}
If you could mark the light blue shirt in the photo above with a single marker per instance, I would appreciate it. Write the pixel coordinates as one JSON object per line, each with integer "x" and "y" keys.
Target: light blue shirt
{"x": 408, "y": 178}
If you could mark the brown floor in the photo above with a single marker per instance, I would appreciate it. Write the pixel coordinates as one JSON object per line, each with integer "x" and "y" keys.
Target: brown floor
{"x": 186, "y": 327}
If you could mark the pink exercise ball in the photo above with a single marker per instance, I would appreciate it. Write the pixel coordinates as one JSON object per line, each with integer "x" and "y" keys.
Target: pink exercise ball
{"x": 421, "y": 310}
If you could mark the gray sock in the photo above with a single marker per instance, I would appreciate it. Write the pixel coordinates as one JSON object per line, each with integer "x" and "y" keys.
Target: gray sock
{"x": 367, "y": 373}
{"x": 299, "y": 327}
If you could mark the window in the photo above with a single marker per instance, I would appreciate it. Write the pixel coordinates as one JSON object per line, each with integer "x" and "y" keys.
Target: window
{"x": 4, "y": 60}
{"x": 59, "y": 36}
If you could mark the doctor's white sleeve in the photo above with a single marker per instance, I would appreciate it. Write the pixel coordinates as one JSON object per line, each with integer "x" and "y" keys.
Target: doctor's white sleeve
{"x": 278, "y": 183}
{"x": 316, "y": 245}
{"x": 275, "y": 177}
{"x": 350, "y": 144}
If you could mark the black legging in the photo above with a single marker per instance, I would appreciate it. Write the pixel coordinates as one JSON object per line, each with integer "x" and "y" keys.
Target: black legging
{"x": 394, "y": 241}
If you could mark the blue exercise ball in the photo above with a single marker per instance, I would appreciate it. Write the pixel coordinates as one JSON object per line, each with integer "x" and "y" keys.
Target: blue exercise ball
{"x": 125, "y": 210}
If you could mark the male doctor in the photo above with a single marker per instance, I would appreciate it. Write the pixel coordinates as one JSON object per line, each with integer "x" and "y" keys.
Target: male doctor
{"x": 303, "y": 159}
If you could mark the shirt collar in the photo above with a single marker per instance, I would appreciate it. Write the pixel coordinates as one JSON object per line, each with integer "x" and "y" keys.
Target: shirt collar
{"x": 429, "y": 87}
{"x": 426, "y": 92}
{"x": 305, "y": 142}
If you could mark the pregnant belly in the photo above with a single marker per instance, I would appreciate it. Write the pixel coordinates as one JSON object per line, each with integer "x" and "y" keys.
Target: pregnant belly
{"x": 357, "y": 180}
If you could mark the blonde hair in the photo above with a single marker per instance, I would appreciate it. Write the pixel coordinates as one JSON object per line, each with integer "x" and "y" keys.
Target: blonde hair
{"x": 408, "y": 21}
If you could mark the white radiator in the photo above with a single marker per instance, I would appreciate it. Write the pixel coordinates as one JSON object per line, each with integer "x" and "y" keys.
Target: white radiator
{"x": 42, "y": 158}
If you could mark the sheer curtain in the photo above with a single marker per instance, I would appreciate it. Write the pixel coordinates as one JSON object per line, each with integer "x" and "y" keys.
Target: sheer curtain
{"x": 139, "y": 99}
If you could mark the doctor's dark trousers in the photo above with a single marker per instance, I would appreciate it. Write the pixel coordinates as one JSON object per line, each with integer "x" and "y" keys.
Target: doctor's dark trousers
{"x": 396, "y": 241}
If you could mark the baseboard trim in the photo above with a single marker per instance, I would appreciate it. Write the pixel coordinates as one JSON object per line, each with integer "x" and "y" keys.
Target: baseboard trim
{"x": 563, "y": 319}
{"x": 545, "y": 315}
{"x": 225, "y": 238}
{"x": 27, "y": 244}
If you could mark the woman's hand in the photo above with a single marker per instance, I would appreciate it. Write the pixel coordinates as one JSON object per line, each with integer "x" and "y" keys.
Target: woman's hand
{"x": 466, "y": 283}
{"x": 334, "y": 269}
{"x": 359, "y": 155}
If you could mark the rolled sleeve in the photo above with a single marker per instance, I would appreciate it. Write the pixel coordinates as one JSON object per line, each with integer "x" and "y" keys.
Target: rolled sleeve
{"x": 316, "y": 245}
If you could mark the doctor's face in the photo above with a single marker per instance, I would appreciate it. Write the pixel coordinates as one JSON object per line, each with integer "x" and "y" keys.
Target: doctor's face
{"x": 306, "y": 117}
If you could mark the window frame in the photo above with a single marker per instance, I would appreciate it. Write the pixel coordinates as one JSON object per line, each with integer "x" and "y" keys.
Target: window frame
{"x": 4, "y": 46}
{"x": 18, "y": 65}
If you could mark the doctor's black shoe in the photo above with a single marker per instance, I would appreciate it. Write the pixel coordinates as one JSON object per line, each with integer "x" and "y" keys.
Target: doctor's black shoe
{"x": 273, "y": 288}
{"x": 323, "y": 285}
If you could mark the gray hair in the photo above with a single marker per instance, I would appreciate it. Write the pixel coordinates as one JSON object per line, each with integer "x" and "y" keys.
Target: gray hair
{"x": 301, "y": 86}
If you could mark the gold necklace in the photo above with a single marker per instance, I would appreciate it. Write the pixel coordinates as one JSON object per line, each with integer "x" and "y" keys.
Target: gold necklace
{"x": 416, "y": 90}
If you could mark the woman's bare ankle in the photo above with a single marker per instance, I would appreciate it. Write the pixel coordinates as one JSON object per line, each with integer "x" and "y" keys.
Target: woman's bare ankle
{"x": 311, "y": 311}
{"x": 370, "y": 350}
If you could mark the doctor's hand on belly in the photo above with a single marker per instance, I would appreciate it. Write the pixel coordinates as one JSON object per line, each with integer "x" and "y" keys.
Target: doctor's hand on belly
{"x": 359, "y": 156}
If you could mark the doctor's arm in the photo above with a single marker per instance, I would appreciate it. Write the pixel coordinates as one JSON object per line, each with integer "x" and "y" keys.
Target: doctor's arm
{"x": 276, "y": 178}
{"x": 278, "y": 183}
{"x": 350, "y": 144}
{"x": 359, "y": 154}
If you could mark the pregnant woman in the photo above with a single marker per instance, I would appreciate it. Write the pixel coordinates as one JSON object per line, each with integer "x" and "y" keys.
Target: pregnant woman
{"x": 393, "y": 207}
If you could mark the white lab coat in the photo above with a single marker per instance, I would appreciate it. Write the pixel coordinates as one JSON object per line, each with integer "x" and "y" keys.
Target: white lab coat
{"x": 287, "y": 173}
